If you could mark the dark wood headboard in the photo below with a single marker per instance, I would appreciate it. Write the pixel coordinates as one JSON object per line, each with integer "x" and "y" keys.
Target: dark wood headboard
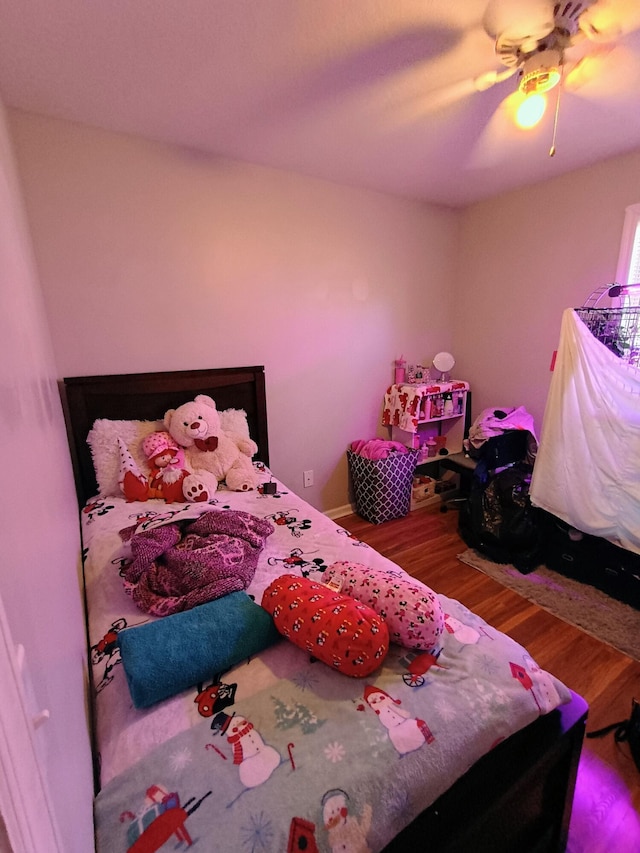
{"x": 147, "y": 396}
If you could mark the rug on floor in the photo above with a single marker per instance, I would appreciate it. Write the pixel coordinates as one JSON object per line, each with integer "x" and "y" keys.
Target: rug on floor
{"x": 581, "y": 605}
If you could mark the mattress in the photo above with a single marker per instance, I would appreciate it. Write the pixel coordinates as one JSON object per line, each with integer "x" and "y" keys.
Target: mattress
{"x": 280, "y": 749}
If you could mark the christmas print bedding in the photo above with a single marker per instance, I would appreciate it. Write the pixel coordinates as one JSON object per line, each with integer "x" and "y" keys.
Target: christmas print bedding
{"x": 281, "y": 751}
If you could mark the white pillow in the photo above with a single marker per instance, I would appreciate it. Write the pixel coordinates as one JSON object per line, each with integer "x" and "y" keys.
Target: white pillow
{"x": 103, "y": 442}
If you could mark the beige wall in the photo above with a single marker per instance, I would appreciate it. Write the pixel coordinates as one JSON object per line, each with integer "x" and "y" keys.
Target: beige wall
{"x": 525, "y": 257}
{"x": 39, "y": 569}
{"x": 156, "y": 258}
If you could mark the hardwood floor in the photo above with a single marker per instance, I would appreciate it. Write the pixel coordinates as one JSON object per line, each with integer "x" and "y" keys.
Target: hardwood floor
{"x": 606, "y": 811}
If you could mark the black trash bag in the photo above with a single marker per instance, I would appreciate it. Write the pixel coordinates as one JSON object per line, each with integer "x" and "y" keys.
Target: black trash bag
{"x": 499, "y": 521}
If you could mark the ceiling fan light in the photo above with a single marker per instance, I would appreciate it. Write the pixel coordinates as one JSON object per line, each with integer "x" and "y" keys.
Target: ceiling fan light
{"x": 531, "y": 110}
{"x": 540, "y": 72}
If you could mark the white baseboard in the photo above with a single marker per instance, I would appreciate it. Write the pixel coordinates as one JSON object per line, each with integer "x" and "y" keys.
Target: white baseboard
{"x": 339, "y": 511}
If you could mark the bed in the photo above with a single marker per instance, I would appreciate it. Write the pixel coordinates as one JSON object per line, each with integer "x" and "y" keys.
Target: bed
{"x": 467, "y": 745}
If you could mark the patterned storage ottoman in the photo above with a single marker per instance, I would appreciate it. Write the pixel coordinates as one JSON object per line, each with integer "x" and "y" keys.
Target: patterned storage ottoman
{"x": 382, "y": 487}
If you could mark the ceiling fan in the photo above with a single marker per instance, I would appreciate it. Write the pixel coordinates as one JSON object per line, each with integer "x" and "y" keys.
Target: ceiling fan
{"x": 544, "y": 42}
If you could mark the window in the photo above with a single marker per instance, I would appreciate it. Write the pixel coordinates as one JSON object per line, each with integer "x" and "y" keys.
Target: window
{"x": 629, "y": 259}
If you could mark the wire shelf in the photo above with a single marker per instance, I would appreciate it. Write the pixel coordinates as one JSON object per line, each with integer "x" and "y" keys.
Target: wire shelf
{"x": 617, "y": 328}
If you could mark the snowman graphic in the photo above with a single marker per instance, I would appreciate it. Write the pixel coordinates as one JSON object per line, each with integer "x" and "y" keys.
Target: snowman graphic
{"x": 256, "y": 760}
{"x": 346, "y": 834}
{"x": 465, "y": 634}
{"x": 543, "y": 688}
{"x": 406, "y": 733}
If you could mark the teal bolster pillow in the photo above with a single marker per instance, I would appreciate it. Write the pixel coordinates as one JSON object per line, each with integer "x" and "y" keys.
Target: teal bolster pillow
{"x": 164, "y": 657}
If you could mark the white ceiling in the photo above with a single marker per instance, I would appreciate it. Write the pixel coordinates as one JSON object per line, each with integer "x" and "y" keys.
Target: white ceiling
{"x": 372, "y": 93}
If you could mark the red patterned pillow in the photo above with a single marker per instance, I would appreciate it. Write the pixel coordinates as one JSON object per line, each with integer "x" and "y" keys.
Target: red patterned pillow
{"x": 341, "y": 632}
{"x": 412, "y": 611}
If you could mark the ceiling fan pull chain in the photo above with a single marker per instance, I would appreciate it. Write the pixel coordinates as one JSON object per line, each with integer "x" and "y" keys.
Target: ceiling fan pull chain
{"x": 552, "y": 150}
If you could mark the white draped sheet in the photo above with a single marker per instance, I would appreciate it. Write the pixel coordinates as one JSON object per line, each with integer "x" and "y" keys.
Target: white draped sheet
{"x": 587, "y": 471}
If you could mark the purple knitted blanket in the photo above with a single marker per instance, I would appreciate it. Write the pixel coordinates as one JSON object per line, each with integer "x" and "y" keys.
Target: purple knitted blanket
{"x": 178, "y": 566}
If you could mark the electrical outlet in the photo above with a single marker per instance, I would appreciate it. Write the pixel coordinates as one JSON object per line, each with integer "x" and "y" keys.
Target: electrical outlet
{"x": 307, "y": 478}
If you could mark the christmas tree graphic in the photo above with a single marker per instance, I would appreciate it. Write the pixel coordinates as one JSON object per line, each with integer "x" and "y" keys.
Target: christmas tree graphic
{"x": 296, "y": 714}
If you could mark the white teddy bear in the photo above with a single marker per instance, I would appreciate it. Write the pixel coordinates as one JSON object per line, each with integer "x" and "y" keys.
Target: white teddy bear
{"x": 217, "y": 447}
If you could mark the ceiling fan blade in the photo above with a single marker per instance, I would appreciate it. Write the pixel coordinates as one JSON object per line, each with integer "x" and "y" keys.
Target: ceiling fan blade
{"x": 610, "y": 72}
{"x": 447, "y": 96}
{"x": 609, "y": 20}
{"x": 519, "y": 20}
{"x": 485, "y": 81}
